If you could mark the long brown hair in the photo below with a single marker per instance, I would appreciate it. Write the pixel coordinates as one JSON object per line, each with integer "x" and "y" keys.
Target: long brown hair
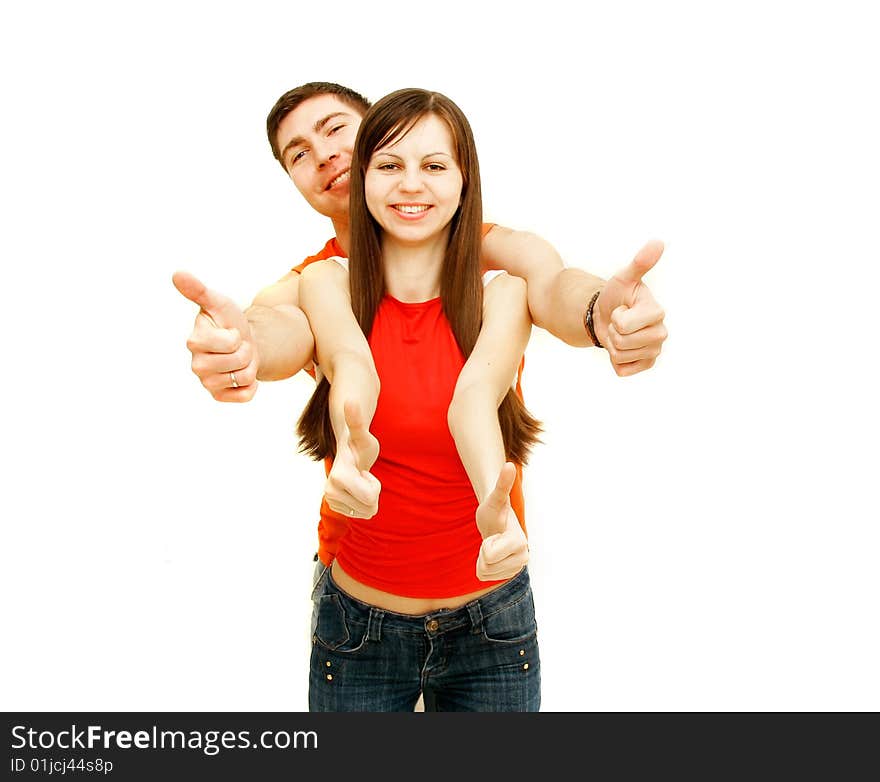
{"x": 461, "y": 289}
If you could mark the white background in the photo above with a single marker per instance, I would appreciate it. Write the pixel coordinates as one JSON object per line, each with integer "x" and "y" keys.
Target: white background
{"x": 704, "y": 536}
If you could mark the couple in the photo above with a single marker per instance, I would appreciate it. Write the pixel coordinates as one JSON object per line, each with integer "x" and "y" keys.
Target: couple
{"x": 416, "y": 595}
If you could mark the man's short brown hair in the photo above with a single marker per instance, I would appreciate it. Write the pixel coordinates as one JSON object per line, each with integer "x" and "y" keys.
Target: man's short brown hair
{"x": 292, "y": 98}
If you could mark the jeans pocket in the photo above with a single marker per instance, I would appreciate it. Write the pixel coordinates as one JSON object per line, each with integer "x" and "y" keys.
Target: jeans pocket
{"x": 318, "y": 578}
{"x": 513, "y": 623}
{"x": 333, "y": 629}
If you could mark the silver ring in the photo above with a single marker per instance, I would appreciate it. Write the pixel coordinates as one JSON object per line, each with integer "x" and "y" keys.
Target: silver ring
{"x": 234, "y": 381}
{"x": 352, "y": 512}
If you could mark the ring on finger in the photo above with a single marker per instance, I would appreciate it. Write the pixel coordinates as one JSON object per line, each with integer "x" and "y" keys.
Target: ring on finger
{"x": 234, "y": 381}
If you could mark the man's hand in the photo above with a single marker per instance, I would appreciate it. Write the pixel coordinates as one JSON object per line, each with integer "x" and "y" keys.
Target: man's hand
{"x": 224, "y": 355}
{"x": 350, "y": 488}
{"x": 627, "y": 319}
{"x": 505, "y": 550}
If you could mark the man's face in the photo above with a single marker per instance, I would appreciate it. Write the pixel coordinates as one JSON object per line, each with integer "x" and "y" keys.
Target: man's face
{"x": 316, "y": 140}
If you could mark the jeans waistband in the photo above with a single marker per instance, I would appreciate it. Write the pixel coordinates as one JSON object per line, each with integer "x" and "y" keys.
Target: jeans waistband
{"x": 436, "y": 622}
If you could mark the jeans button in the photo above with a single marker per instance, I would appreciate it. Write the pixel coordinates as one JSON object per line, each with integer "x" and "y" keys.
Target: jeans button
{"x": 432, "y": 625}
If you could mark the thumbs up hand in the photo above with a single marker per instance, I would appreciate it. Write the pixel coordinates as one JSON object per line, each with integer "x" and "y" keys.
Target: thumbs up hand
{"x": 627, "y": 319}
{"x": 351, "y": 489}
{"x": 224, "y": 355}
{"x": 505, "y": 550}
{"x": 361, "y": 441}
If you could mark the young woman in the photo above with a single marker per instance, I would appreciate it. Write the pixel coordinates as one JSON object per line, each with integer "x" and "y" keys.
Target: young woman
{"x": 428, "y": 589}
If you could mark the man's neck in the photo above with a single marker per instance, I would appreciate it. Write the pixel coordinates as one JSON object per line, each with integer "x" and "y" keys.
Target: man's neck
{"x": 342, "y": 229}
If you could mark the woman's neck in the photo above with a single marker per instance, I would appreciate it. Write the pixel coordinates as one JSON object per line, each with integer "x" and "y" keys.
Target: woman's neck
{"x": 412, "y": 272}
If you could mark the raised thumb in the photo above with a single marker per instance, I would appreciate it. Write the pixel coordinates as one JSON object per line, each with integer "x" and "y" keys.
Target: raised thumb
{"x": 645, "y": 260}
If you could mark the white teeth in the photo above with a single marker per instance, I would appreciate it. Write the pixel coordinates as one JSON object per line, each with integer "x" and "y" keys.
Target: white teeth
{"x": 340, "y": 178}
{"x": 408, "y": 209}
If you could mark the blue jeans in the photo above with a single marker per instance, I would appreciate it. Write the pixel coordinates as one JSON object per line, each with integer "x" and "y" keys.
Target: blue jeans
{"x": 318, "y": 572}
{"x": 480, "y": 657}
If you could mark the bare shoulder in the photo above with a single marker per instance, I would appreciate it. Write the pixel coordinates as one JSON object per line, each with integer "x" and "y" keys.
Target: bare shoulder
{"x": 284, "y": 291}
{"x": 505, "y": 288}
{"x": 324, "y": 270}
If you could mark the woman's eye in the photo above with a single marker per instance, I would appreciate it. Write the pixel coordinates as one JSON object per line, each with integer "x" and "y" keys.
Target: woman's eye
{"x": 436, "y": 167}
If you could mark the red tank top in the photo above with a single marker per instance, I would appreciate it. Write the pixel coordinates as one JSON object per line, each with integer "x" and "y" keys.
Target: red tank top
{"x": 424, "y": 541}
{"x": 332, "y": 526}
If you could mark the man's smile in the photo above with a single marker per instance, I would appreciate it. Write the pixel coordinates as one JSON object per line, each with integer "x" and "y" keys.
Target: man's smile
{"x": 339, "y": 179}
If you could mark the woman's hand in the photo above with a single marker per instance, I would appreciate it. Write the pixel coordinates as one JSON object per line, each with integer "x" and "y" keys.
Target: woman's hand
{"x": 350, "y": 488}
{"x": 505, "y": 549}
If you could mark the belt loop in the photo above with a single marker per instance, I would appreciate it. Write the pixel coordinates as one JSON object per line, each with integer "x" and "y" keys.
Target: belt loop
{"x": 476, "y": 616}
{"x": 374, "y": 624}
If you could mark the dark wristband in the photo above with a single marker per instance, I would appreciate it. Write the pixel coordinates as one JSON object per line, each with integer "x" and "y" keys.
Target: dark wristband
{"x": 588, "y": 320}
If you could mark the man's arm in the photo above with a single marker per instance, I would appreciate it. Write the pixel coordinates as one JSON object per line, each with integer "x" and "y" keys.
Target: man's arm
{"x": 231, "y": 350}
{"x": 556, "y": 295}
{"x": 280, "y": 329}
{"x": 224, "y": 356}
{"x": 628, "y": 321}
{"x": 482, "y": 385}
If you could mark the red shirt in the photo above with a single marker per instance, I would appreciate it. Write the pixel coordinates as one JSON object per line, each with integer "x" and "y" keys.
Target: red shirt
{"x": 424, "y": 541}
{"x": 331, "y": 525}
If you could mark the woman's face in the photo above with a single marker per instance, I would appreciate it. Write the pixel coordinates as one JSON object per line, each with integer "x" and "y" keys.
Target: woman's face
{"x": 413, "y": 186}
